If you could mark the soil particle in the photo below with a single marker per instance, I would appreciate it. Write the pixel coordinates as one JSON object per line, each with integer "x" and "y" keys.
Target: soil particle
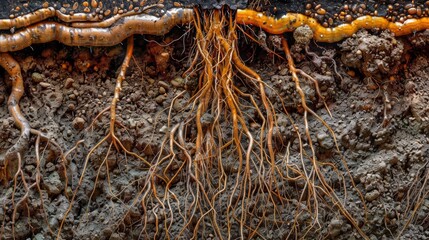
{"x": 178, "y": 82}
{"x": 371, "y": 196}
{"x": 45, "y": 85}
{"x": 376, "y": 56}
{"x": 53, "y": 98}
{"x": 78, "y": 123}
{"x": 160, "y": 99}
{"x": 68, "y": 83}
{"x": 303, "y": 35}
{"x": 37, "y": 77}
{"x": 53, "y": 184}
{"x": 147, "y": 143}
{"x": 420, "y": 40}
{"x": 21, "y": 229}
{"x": 417, "y": 95}
{"x": 324, "y": 140}
{"x": 335, "y": 227}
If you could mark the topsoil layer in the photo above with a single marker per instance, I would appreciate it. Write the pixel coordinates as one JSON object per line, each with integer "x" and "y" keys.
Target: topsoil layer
{"x": 375, "y": 86}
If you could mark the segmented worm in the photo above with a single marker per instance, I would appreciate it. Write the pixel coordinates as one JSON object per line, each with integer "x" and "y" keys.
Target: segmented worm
{"x": 126, "y": 26}
{"x": 129, "y": 25}
{"x": 43, "y": 14}
{"x": 290, "y": 21}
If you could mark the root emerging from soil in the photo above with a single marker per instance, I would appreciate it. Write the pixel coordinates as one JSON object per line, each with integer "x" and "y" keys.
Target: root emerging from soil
{"x": 235, "y": 182}
{"x": 111, "y": 136}
{"x": 10, "y": 161}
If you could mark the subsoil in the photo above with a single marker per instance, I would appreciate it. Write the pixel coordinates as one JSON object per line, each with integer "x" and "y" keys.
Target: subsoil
{"x": 375, "y": 86}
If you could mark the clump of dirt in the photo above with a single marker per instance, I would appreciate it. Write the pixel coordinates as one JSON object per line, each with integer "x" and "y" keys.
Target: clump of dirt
{"x": 376, "y": 56}
{"x": 67, "y": 91}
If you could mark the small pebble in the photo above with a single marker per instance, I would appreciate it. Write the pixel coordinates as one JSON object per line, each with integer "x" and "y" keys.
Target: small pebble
{"x": 160, "y": 99}
{"x": 69, "y": 83}
{"x": 178, "y": 82}
{"x": 373, "y": 195}
{"x": 163, "y": 84}
{"x": 37, "y": 77}
{"x": 163, "y": 129}
{"x": 45, "y": 84}
{"x": 78, "y": 123}
{"x": 161, "y": 90}
{"x": 71, "y": 107}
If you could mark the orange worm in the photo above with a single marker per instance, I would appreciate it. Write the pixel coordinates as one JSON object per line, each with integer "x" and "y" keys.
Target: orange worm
{"x": 137, "y": 24}
{"x": 27, "y": 19}
{"x": 43, "y": 14}
{"x": 126, "y": 26}
{"x": 291, "y": 21}
{"x": 110, "y": 21}
{"x": 82, "y": 19}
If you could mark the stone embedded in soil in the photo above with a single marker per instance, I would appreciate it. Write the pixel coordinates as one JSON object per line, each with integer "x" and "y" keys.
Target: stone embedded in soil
{"x": 324, "y": 140}
{"x": 178, "y": 82}
{"x": 207, "y": 119}
{"x": 39, "y": 236}
{"x": 127, "y": 141}
{"x": 373, "y": 195}
{"x": 147, "y": 144}
{"x": 45, "y": 84}
{"x": 37, "y": 77}
{"x": 54, "y": 99}
{"x": 71, "y": 107}
{"x": 178, "y": 105}
{"x": 163, "y": 129}
{"x": 303, "y": 35}
{"x": 53, "y": 222}
{"x": 53, "y": 184}
{"x": 163, "y": 84}
{"x": 160, "y": 99}
{"x": 335, "y": 227}
{"x": 116, "y": 236}
{"x": 78, "y": 123}
{"x": 68, "y": 83}
{"x": 162, "y": 90}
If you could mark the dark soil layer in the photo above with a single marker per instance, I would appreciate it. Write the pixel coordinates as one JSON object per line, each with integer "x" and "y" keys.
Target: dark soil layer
{"x": 376, "y": 87}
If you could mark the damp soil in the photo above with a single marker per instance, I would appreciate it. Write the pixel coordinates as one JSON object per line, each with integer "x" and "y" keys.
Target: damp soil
{"x": 375, "y": 86}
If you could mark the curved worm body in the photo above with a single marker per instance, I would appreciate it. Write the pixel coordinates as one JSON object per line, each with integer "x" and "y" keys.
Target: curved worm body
{"x": 129, "y": 25}
{"x": 290, "y": 21}
{"x": 103, "y": 23}
{"x": 17, "y": 14}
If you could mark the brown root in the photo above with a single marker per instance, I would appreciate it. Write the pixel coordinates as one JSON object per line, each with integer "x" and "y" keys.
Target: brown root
{"x": 324, "y": 187}
{"x": 114, "y": 140}
{"x": 25, "y": 186}
{"x": 417, "y": 194}
{"x": 236, "y": 183}
{"x": 9, "y": 163}
{"x": 218, "y": 99}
